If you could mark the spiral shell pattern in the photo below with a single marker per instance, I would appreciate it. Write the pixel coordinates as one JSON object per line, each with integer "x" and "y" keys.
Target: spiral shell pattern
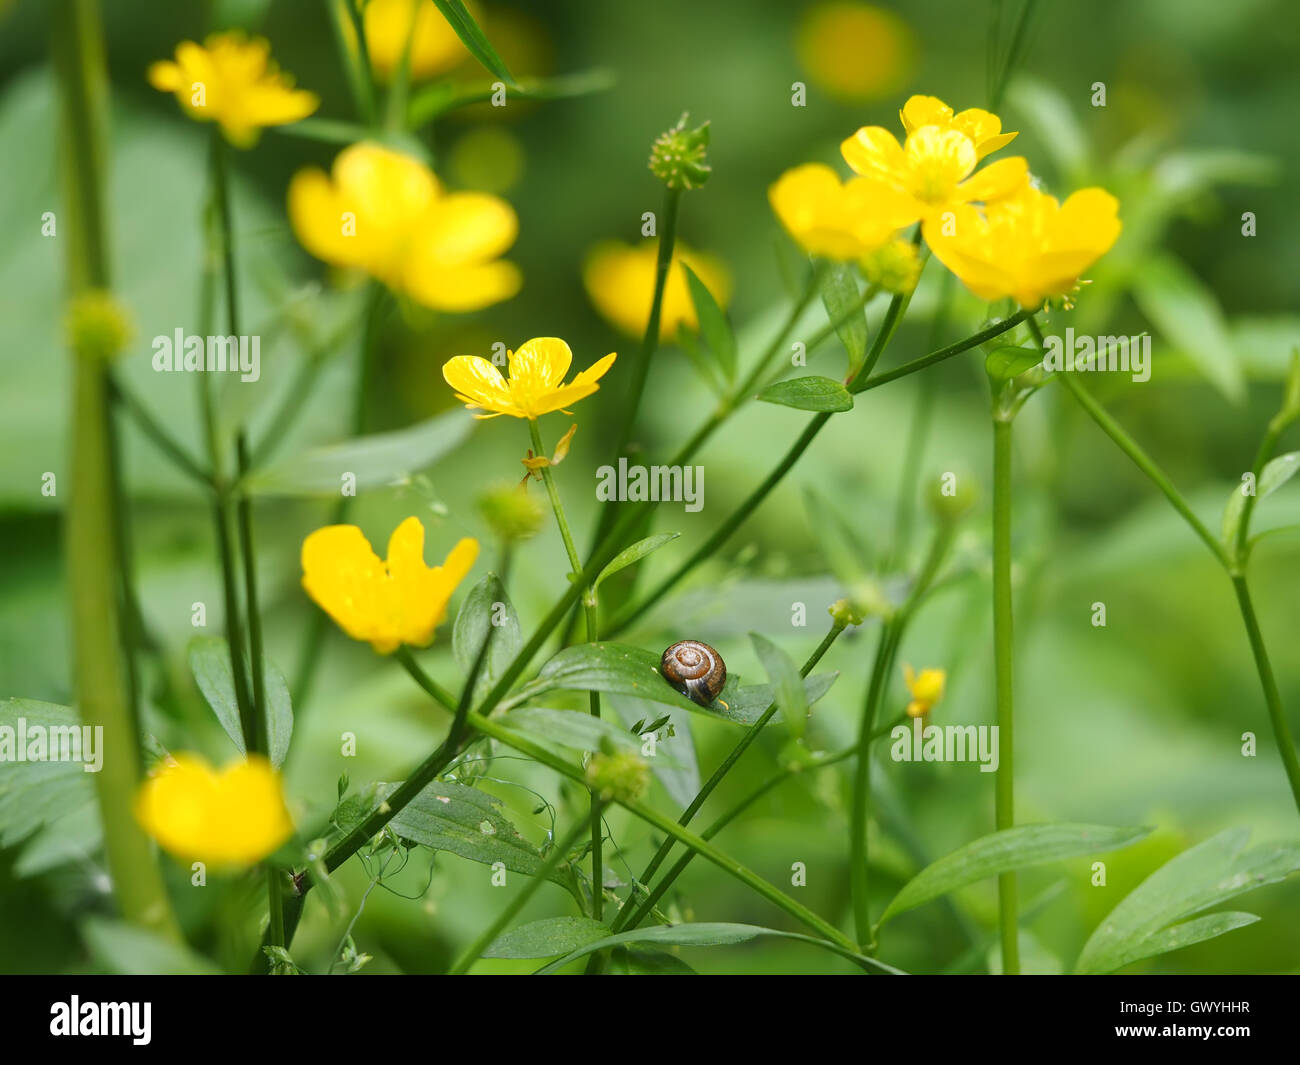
{"x": 695, "y": 669}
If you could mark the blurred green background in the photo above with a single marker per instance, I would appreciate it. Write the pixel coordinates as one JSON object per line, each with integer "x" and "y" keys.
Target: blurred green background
{"x": 1139, "y": 722}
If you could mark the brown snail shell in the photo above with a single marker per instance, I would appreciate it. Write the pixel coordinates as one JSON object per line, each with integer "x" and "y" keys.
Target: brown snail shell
{"x": 695, "y": 669}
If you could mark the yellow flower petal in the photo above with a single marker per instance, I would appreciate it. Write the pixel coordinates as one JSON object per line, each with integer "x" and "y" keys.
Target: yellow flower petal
{"x": 232, "y": 817}
{"x": 535, "y": 387}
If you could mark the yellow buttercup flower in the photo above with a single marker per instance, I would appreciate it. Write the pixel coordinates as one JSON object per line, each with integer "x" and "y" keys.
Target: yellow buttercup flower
{"x": 837, "y": 219}
{"x": 620, "y": 280}
{"x": 926, "y": 689}
{"x": 230, "y": 817}
{"x": 387, "y": 214}
{"x": 984, "y": 128}
{"x": 435, "y": 48}
{"x": 536, "y": 384}
{"x": 1028, "y": 246}
{"x": 232, "y": 80}
{"x": 385, "y": 603}
{"x": 935, "y": 167}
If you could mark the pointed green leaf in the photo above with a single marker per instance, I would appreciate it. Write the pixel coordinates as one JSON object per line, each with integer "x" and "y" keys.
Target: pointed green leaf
{"x": 1272, "y": 477}
{"x": 546, "y": 938}
{"x": 1181, "y": 935}
{"x": 209, "y": 658}
{"x": 474, "y": 39}
{"x": 1001, "y": 852}
{"x": 1212, "y": 872}
{"x": 375, "y": 460}
{"x": 787, "y": 686}
{"x": 714, "y": 327}
{"x": 487, "y": 609}
{"x": 635, "y": 553}
{"x": 809, "y": 393}
{"x": 844, "y": 308}
{"x": 1190, "y": 319}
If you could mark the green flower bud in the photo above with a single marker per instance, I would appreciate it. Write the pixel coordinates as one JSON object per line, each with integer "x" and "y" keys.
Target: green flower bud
{"x": 619, "y": 775}
{"x": 951, "y": 496}
{"x": 895, "y": 267}
{"x": 679, "y": 156}
{"x": 510, "y": 512}
{"x": 98, "y": 326}
{"x": 845, "y": 613}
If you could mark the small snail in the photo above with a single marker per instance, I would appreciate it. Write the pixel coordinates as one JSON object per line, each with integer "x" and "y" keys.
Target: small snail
{"x": 695, "y": 669}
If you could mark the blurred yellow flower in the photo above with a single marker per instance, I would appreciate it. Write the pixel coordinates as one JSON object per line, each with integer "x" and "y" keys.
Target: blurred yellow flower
{"x": 435, "y": 48}
{"x": 934, "y": 167}
{"x": 620, "y": 281}
{"x": 841, "y": 220}
{"x": 387, "y": 214}
{"x": 1028, "y": 246}
{"x": 385, "y": 603}
{"x": 926, "y": 689}
{"x": 984, "y": 128}
{"x": 855, "y": 51}
{"x": 230, "y": 817}
{"x": 233, "y": 81}
{"x": 536, "y": 385}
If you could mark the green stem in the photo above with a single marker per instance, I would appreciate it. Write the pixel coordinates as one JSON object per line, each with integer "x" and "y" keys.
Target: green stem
{"x": 1003, "y": 663}
{"x": 157, "y": 434}
{"x": 558, "y": 853}
{"x": 257, "y": 666}
{"x": 99, "y": 674}
{"x": 1143, "y": 462}
{"x": 1276, "y": 715}
{"x": 593, "y": 699}
{"x": 360, "y": 72}
{"x": 625, "y": 918}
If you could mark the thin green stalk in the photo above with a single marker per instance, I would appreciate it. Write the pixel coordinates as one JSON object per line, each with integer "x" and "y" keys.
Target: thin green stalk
{"x": 707, "y": 789}
{"x": 1005, "y": 814}
{"x": 360, "y": 72}
{"x": 859, "y": 873}
{"x": 257, "y": 665}
{"x": 91, "y": 524}
{"x": 157, "y": 434}
{"x": 593, "y": 698}
{"x": 1019, "y": 41}
{"x": 559, "y": 851}
{"x": 1276, "y": 715}
{"x": 395, "y": 104}
{"x": 1143, "y": 462}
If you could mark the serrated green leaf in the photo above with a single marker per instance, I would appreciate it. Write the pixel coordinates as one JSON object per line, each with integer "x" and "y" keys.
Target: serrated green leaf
{"x": 1212, "y": 872}
{"x": 209, "y": 658}
{"x": 474, "y": 622}
{"x": 809, "y": 393}
{"x": 546, "y": 938}
{"x": 375, "y": 460}
{"x": 1190, "y": 319}
{"x": 49, "y": 803}
{"x": 787, "y": 686}
{"x": 633, "y": 554}
{"x": 840, "y": 296}
{"x": 1001, "y": 852}
{"x": 474, "y": 39}
{"x": 714, "y": 327}
{"x": 704, "y": 934}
